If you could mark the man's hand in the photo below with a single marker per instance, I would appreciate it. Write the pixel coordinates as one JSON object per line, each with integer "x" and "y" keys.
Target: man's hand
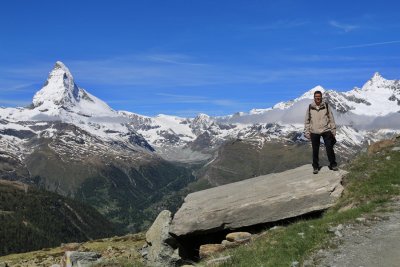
{"x": 307, "y": 135}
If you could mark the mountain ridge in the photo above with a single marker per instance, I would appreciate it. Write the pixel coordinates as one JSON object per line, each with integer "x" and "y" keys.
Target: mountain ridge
{"x": 75, "y": 144}
{"x": 60, "y": 98}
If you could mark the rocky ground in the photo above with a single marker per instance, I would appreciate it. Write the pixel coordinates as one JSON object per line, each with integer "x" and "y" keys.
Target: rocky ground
{"x": 369, "y": 242}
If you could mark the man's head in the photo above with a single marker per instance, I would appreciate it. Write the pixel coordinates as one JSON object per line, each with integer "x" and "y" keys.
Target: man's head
{"x": 318, "y": 97}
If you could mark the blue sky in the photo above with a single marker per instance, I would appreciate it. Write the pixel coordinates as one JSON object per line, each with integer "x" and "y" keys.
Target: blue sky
{"x": 183, "y": 57}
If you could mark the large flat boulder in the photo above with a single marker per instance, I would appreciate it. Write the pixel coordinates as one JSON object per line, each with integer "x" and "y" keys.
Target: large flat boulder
{"x": 263, "y": 199}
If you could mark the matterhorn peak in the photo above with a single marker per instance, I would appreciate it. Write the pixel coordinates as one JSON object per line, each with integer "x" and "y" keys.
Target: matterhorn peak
{"x": 59, "y": 89}
{"x": 60, "y": 94}
{"x": 60, "y": 65}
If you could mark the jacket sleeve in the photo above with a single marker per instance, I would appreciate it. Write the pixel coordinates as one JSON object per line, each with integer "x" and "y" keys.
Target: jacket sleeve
{"x": 307, "y": 121}
{"x": 332, "y": 123}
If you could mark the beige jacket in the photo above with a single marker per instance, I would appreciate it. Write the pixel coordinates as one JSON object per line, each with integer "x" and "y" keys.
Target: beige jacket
{"x": 319, "y": 119}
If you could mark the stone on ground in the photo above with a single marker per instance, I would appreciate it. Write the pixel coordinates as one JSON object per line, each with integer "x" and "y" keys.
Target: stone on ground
{"x": 218, "y": 261}
{"x": 230, "y": 244}
{"x": 238, "y": 236}
{"x": 81, "y": 259}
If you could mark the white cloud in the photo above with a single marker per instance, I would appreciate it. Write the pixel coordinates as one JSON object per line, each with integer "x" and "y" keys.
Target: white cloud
{"x": 14, "y": 102}
{"x": 366, "y": 45}
{"x": 173, "y": 70}
{"x": 14, "y": 86}
{"x": 342, "y": 26}
{"x": 179, "y": 59}
{"x": 191, "y": 99}
{"x": 336, "y": 58}
{"x": 278, "y": 25}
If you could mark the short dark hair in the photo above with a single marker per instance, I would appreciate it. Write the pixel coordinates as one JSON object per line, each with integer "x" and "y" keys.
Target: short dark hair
{"x": 317, "y": 93}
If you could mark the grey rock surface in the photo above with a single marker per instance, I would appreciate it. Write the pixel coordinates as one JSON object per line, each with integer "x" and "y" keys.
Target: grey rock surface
{"x": 81, "y": 259}
{"x": 162, "y": 250}
{"x": 262, "y": 199}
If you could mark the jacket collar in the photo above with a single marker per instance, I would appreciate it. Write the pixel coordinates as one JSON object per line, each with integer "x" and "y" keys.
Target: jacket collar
{"x": 323, "y": 105}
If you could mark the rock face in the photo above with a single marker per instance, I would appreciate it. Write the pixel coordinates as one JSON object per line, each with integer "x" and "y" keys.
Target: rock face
{"x": 262, "y": 199}
{"x": 162, "y": 249}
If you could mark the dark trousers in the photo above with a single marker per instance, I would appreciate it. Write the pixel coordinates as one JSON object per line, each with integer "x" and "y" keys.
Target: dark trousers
{"x": 329, "y": 141}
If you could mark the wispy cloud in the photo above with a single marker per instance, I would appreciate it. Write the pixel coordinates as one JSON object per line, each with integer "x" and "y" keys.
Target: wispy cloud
{"x": 14, "y": 86}
{"x": 342, "y": 26}
{"x": 157, "y": 71}
{"x": 366, "y": 45}
{"x": 13, "y": 102}
{"x": 317, "y": 58}
{"x": 143, "y": 71}
{"x": 179, "y": 59}
{"x": 126, "y": 74}
{"x": 278, "y": 25}
{"x": 192, "y": 99}
{"x": 310, "y": 58}
{"x": 22, "y": 79}
{"x": 167, "y": 70}
{"x": 191, "y": 113}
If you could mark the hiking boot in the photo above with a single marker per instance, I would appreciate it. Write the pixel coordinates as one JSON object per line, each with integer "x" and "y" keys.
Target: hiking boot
{"x": 315, "y": 171}
{"x": 334, "y": 168}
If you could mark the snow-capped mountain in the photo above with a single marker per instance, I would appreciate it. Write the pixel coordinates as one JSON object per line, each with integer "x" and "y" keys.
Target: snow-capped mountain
{"x": 61, "y": 93}
{"x": 378, "y": 97}
{"x": 373, "y": 107}
{"x": 60, "y": 99}
{"x": 363, "y": 115}
{"x": 71, "y": 142}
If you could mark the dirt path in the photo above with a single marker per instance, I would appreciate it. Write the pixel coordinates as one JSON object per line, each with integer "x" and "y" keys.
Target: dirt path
{"x": 373, "y": 242}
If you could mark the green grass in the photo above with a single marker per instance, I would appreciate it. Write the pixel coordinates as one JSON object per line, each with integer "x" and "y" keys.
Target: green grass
{"x": 119, "y": 251}
{"x": 372, "y": 182}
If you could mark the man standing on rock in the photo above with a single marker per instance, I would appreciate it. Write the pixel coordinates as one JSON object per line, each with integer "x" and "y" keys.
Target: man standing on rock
{"x": 320, "y": 122}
